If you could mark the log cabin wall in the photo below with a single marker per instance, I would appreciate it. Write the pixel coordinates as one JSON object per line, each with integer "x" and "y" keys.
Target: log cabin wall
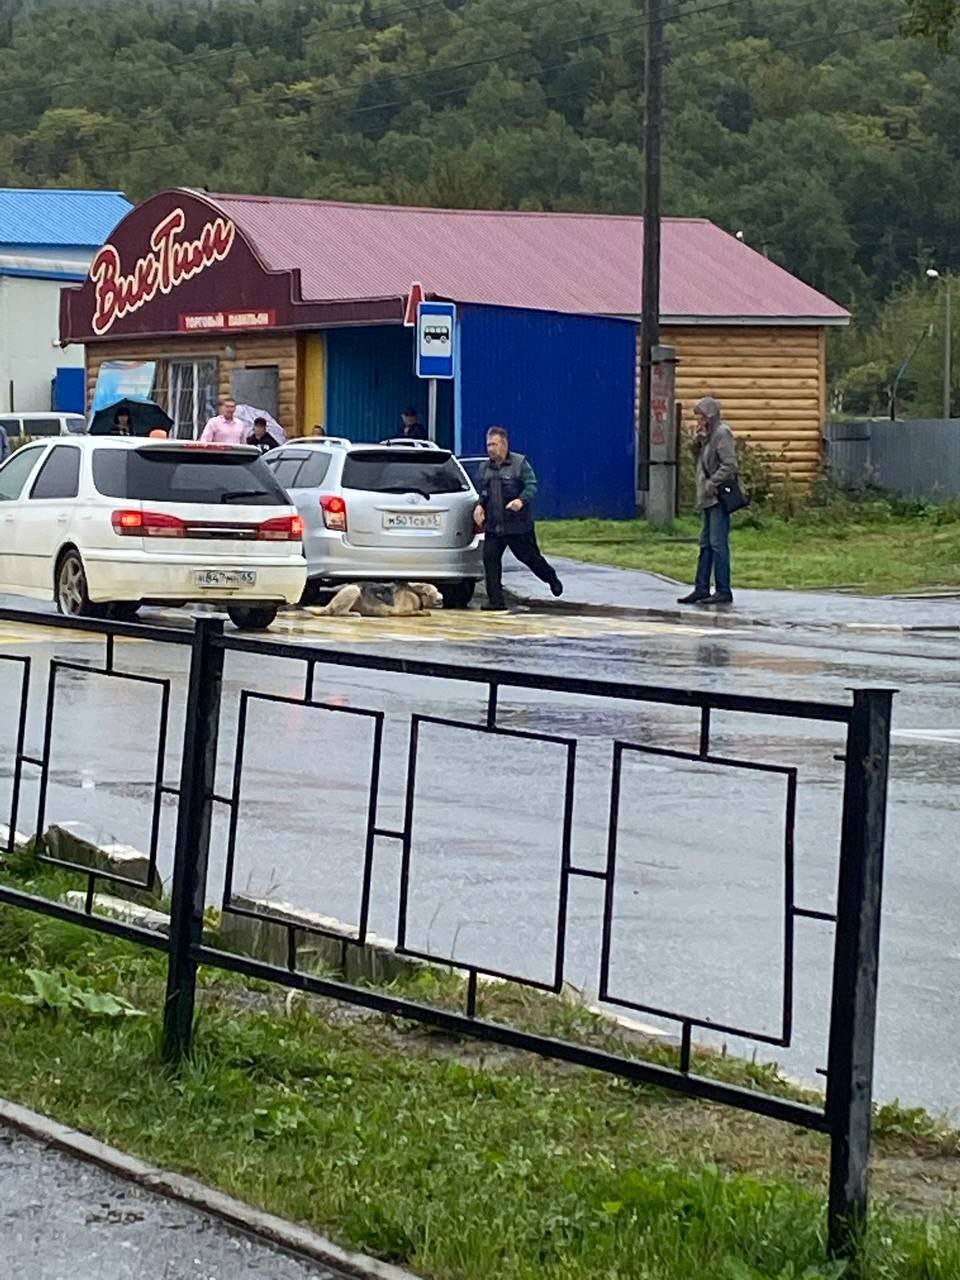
{"x": 771, "y": 382}
{"x": 252, "y": 350}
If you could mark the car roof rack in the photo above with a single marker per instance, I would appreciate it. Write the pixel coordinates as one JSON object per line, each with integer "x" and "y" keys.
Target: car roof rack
{"x": 338, "y": 442}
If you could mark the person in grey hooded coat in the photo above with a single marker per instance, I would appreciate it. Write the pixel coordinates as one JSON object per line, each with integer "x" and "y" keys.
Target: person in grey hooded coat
{"x": 716, "y": 454}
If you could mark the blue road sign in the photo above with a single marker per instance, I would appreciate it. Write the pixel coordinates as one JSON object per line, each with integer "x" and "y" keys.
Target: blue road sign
{"x": 436, "y": 338}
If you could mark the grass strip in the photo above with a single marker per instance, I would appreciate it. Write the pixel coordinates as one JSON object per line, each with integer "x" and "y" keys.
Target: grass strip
{"x": 872, "y": 553}
{"x": 454, "y": 1159}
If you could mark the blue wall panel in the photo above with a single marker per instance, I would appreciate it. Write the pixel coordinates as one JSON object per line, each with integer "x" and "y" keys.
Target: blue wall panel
{"x": 69, "y": 390}
{"x": 370, "y": 381}
{"x": 564, "y": 387}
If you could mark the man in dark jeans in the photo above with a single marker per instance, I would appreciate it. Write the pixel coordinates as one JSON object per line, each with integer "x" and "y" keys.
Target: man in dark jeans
{"x": 507, "y": 486}
{"x": 716, "y": 454}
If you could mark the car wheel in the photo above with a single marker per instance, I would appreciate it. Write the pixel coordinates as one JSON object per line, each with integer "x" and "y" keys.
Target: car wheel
{"x": 124, "y": 611}
{"x": 457, "y": 595}
{"x": 71, "y": 589}
{"x": 251, "y": 619}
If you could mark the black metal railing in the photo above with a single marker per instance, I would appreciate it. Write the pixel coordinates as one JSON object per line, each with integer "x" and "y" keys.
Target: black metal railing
{"x": 846, "y": 1115}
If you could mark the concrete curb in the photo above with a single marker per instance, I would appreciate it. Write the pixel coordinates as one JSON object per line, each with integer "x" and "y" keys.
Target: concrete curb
{"x": 695, "y": 618}
{"x": 700, "y": 618}
{"x": 264, "y": 1226}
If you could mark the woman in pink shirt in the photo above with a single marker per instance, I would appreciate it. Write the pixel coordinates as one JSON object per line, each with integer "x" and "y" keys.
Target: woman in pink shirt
{"x": 225, "y": 428}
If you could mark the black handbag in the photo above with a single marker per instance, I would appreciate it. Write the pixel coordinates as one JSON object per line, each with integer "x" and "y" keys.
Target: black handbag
{"x": 731, "y": 496}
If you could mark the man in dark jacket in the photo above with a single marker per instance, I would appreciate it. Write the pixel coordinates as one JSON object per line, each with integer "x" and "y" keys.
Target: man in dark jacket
{"x": 716, "y": 454}
{"x": 507, "y": 487}
{"x": 261, "y": 437}
{"x": 410, "y": 425}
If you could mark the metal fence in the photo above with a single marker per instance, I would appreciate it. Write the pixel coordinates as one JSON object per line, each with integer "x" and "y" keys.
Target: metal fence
{"x": 917, "y": 458}
{"x": 846, "y": 1115}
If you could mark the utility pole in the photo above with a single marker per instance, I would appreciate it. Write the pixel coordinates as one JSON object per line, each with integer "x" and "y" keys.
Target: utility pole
{"x": 944, "y": 279}
{"x": 650, "y": 312}
{"x": 947, "y": 352}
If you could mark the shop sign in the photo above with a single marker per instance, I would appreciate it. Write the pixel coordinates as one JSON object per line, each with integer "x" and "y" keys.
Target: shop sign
{"x": 171, "y": 262}
{"x": 204, "y": 321}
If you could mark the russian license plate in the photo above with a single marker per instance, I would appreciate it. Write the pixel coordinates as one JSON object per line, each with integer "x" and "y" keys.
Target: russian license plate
{"x": 411, "y": 519}
{"x": 225, "y": 579}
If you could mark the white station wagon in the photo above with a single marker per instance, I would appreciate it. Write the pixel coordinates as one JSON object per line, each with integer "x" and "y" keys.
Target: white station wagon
{"x": 105, "y": 524}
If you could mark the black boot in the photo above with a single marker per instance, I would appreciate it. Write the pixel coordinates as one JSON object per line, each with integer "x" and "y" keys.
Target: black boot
{"x": 695, "y": 597}
{"x": 556, "y": 586}
{"x": 719, "y": 597}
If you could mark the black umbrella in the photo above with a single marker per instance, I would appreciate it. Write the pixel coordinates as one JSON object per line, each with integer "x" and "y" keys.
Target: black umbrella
{"x": 145, "y": 416}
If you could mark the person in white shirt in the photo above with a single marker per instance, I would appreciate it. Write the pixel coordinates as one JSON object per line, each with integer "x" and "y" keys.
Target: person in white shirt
{"x": 226, "y": 428}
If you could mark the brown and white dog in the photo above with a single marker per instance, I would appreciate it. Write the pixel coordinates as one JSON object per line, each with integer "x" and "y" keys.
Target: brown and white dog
{"x": 382, "y": 600}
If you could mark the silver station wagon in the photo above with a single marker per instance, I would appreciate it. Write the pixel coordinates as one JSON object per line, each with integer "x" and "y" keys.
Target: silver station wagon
{"x": 401, "y": 511}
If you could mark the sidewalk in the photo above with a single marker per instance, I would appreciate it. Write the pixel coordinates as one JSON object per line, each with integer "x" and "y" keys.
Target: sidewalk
{"x": 77, "y": 1209}
{"x": 65, "y": 1220}
{"x": 631, "y": 591}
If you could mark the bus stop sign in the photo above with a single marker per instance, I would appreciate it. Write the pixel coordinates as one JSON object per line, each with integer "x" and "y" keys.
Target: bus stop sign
{"x": 436, "y": 339}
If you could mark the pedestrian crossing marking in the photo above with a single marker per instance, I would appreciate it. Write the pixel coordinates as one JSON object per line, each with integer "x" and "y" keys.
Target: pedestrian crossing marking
{"x": 472, "y": 627}
{"x": 459, "y": 626}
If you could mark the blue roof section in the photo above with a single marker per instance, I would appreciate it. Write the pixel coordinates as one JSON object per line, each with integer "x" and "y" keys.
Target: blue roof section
{"x": 55, "y": 217}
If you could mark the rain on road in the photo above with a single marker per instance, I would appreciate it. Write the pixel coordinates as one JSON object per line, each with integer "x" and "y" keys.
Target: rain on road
{"x": 698, "y": 908}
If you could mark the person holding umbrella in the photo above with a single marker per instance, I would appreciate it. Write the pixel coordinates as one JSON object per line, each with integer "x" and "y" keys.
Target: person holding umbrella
{"x": 129, "y": 417}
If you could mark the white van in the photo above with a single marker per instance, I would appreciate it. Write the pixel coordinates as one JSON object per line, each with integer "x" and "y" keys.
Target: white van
{"x": 37, "y": 425}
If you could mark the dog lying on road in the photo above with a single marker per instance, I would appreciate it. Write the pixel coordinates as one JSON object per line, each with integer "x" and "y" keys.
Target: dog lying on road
{"x": 382, "y": 600}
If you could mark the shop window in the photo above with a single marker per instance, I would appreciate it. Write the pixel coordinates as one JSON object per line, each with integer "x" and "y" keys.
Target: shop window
{"x": 192, "y": 395}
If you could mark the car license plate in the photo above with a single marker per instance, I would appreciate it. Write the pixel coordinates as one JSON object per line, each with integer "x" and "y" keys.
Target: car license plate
{"x": 225, "y": 579}
{"x": 411, "y": 519}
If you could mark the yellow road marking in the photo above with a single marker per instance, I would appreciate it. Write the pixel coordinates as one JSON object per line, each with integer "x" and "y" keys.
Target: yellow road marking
{"x": 457, "y": 627}
{"x": 17, "y": 633}
{"x": 469, "y": 626}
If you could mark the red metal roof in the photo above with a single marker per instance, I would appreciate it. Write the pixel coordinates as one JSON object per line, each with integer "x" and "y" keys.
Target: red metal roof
{"x": 570, "y": 262}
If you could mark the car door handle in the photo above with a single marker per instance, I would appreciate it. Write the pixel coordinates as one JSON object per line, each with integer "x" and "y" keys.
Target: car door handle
{"x": 62, "y": 519}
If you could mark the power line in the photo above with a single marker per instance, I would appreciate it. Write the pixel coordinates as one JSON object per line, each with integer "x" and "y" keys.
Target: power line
{"x": 189, "y": 60}
{"x": 739, "y": 59}
{"x": 436, "y": 70}
{"x": 455, "y": 90}
{"x": 632, "y": 84}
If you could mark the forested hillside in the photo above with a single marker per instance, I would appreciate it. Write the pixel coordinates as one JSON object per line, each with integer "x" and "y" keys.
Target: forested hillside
{"x": 814, "y": 126}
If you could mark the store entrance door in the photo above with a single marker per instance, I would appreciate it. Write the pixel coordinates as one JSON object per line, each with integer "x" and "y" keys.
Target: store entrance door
{"x": 259, "y": 388}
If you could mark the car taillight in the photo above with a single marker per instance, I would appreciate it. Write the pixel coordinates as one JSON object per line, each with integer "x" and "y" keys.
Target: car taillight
{"x": 334, "y": 512}
{"x": 147, "y": 524}
{"x": 281, "y": 529}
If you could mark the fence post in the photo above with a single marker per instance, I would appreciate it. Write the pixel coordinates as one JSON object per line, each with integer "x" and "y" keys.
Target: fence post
{"x": 855, "y": 968}
{"x": 197, "y": 783}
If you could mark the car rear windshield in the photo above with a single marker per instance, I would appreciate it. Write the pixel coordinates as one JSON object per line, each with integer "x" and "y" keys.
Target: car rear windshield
{"x": 402, "y": 471}
{"x": 185, "y": 475}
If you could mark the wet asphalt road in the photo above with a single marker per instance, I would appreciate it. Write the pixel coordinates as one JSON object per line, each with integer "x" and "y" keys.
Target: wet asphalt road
{"x": 65, "y": 1220}
{"x": 699, "y": 901}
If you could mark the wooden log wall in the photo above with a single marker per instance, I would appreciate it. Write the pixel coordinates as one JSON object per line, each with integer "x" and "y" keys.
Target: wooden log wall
{"x": 252, "y": 350}
{"x": 770, "y": 381}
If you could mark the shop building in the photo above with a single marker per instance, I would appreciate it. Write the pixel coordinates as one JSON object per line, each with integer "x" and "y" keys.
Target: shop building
{"x": 297, "y": 306}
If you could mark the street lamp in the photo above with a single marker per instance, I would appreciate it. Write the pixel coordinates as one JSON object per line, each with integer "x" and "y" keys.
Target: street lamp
{"x": 933, "y": 274}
